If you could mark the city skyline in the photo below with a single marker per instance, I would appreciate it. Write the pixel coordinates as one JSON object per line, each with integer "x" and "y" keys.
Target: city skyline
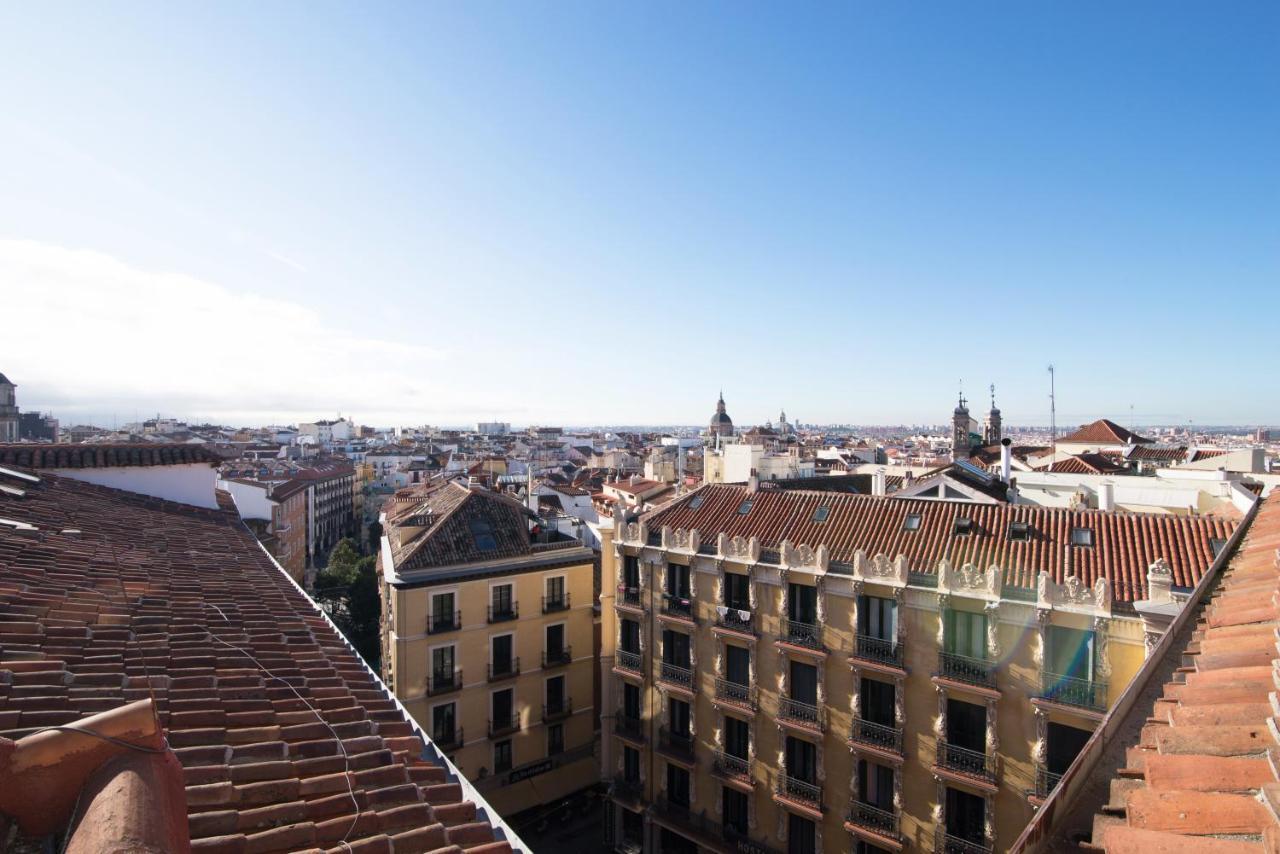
{"x": 451, "y": 214}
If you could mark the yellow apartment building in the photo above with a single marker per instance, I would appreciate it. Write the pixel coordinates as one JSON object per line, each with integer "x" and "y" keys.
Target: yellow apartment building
{"x": 808, "y": 671}
{"x": 488, "y": 640}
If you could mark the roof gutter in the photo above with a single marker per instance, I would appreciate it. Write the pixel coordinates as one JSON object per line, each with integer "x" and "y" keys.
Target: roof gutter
{"x": 1104, "y": 752}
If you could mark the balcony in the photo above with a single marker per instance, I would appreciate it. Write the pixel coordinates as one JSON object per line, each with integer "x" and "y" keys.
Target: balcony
{"x": 630, "y": 790}
{"x": 675, "y": 676}
{"x": 731, "y": 620}
{"x": 504, "y": 725}
{"x": 1046, "y": 781}
{"x": 504, "y": 669}
{"x": 557, "y": 710}
{"x": 971, "y": 671}
{"x": 967, "y": 763}
{"x": 803, "y": 715}
{"x": 442, "y": 683}
{"x": 437, "y": 623}
{"x": 797, "y": 792}
{"x": 872, "y": 819}
{"x": 885, "y": 739}
{"x": 629, "y": 598}
{"x": 629, "y": 662}
{"x": 736, "y": 694}
{"x": 1071, "y": 691}
{"x": 678, "y": 608}
{"x": 551, "y": 604}
{"x": 730, "y": 767}
{"x": 945, "y": 843}
{"x": 704, "y": 830}
{"x": 678, "y": 744}
{"x": 448, "y": 741}
{"x": 882, "y": 651}
{"x": 504, "y": 613}
{"x": 629, "y": 727}
{"x": 806, "y": 635}
{"x": 557, "y": 657}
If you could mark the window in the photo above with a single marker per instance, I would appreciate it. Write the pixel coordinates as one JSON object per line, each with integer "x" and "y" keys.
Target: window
{"x": 443, "y": 721}
{"x": 444, "y": 616}
{"x": 877, "y": 699}
{"x": 1216, "y": 545}
{"x": 503, "y": 704}
{"x": 678, "y": 715}
{"x": 696, "y": 502}
{"x": 1019, "y": 531}
{"x": 675, "y": 648}
{"x": 555, "y": 694}
{"x": 1069, "y": 652}
{"x": 737, "y": 737}
{"x": 744, "y": 508}
{"x": 442, "y": 665}
{"x": 912, "y": 522}
{"x": 802, "y": 835}
{"x": 734, "y": 806}
{"x": 500, "y": 649}
{"x": 677, "y": 785}
{"x": 678, "y": 580}
{"x": 964, "y": 526}
{"x": 501, "y": 600}
{"x": 631, "y": 701}
{"x": 875, "y": 784}
{"x": 801, "y": 759}
{"x": 482, "y": 535}
{"x": 555, "y": 589}
{"x": 737, "y": 665}
{"x": 736, "y": 593}
{"x": 1082, "y": 536}
{"x": 555, "y": 739}
{"x": 631, "y": 764}
{"x": 1063, "y": 743}
{"x": 966, "y": 634}
{"x": 631, "y": 572}
{"x": 802, "y": 603}
{"x": 502, "y": 756}
{"x": 555, "y": 642}
{"x": 631, "y": 636}
{"x": 966, "y": 816}
{"x": 877, "y": 618}
{"x": 820, "y": 515}
{"x": 804, "y": 683}
{"x": 967, "y": 725}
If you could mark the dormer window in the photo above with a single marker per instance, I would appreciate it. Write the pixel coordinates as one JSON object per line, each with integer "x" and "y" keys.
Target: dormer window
{"x": 1019, "y": 531}
{"x": 963, "y": 527}
{"x": 1082, "y": 536}
{"x": 912, "y": 522}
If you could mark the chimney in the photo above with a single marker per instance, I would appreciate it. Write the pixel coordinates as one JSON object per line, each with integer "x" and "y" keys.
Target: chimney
{"x": 1011, "y": 494}
{"x": 1107, "y": 496}
{"x": 878, "y": 482}
{"x": 753, "y": 482}
{"x": 1006, "y": 459}
{"x": 908, "y": 478}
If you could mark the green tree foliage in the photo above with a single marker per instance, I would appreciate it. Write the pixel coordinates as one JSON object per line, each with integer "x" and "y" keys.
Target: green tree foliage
{"x": 348, "y": 590}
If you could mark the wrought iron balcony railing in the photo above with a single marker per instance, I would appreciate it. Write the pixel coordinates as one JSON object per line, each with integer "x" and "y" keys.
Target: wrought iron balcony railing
{"x": 559, "y": 709}
{"x": 946, "y": 843}
{"x": 806, "y": 635}
{"x": 625, "y": 660}
{"x": 677, "y": 606}
{"x": 873, "y": 818}
{"x": 803, "y": 713}
{"x": 975, "y": 671}
{"x": 1046, "y": 781}
{"x": 504, "y": 669}
{"x": 881, "y": 650}
{"x": 801, "y": 791}
{"x": 447, "y": 740}
{"x": 630, "y": 596}
{"x": 732, "y": 618}
{"x": 965, "y": 761}
{"x": 735, "y": 692}
{"x": 504, "y": 725}
{"x": 550, "y": 604}
{"x": 557, "y": 657}
{"x": 503, "y": 613}
{"x": 876, "y": 735}
{"x": 1086, "y": 693}
{"x": 437, "y": 623}
{"x": 674, "y": 674}
{"x": 681, "y": 743}
{"x": 628, "y": 725}
{"x": 728, "y": 765}
{"x": 439, "y": 683}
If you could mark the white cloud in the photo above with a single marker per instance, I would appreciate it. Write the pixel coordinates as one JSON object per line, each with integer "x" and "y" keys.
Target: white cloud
{"x": 86, "y": 335}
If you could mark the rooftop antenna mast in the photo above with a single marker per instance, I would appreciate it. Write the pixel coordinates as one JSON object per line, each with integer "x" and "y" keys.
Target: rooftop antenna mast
{"x": 1053, "y": 417}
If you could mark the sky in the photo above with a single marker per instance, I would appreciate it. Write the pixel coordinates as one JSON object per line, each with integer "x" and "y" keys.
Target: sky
{"x": 605, "y": 213}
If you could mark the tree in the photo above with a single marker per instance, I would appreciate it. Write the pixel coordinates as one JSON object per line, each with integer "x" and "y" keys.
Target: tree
{"x": 348, "y": 591}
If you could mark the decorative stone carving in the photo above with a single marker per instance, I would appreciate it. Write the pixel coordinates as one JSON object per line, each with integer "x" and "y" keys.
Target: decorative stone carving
{"x": 970, "y": 581}
{"x": 1040, "y": 749}
{"x": 1101, "y": 648}
{"x": 1074, "y": 595}
{"x": 899, "y": 704}
{"x": 636, "y": 532}
{"x": 993, "y": 630}
{"x": 1159, "y": 583}
{"x": 1149, "y": 640}
{"x": 944, "y": 602}
{"x": 821, "y": 599}
{"x": 804, "y": 557}
{"x": 739, "y": 549}
{"x": 940, "y": 720}
{"x": 880, "y": 569}
{"x": 993, "y": 736}
{"x": 1038, "y": 644}
{"x": 680, "y": 540}
{"x": 989, "y": 823}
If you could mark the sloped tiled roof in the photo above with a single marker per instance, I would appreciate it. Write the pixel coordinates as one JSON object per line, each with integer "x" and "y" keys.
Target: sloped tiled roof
{"x": 1105, "y": 432}
{"x": 1083, "y": 464}
{"x": 1198, "y": 770}
{"x": 1163, "y": 454}
{"x": 1125, "y": 544}
{"x": 1207, "y": 453}
{"x": 287, "y": 741}
{"x": 105, "y": 455}
{"x": 456, "y": 516}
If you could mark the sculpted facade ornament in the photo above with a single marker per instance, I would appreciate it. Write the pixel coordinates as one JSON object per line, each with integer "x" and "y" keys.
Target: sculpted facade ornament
{"x": 1074, "y": 595}
{"x": 740, "y": 549}
{"x": 1101, "y": 648}
{"x": 944, "y": 602}
{"x": 880, "y": 569}
{"x": 1040, "y": 750}
{"x": 636, "y": 532}
{"x": 681, "y": 540}
{"x": 1159, "y": 583}
{"x": 970, "y": 581}
{"x": 993, "y": 630}
{"x": 805, "y": 557}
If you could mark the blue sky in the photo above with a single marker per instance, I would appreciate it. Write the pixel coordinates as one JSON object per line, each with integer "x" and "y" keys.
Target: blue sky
{"x": 604, "y": 213}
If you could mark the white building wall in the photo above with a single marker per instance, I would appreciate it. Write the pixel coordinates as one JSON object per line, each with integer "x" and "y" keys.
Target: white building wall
{"x": 188, "y": 483}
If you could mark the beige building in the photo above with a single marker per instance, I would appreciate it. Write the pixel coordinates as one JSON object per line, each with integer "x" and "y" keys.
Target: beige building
{"x": 489, "y": 641}
{"x": 807, "y": 671}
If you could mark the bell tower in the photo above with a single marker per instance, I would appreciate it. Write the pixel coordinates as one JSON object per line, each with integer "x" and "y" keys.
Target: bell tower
{"x": 994, "y": 430}
{"x": 960, "y": 430}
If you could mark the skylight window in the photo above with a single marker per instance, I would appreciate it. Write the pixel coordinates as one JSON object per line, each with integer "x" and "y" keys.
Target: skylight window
{"x": 1019, "y": 531}
{"x": 912, "y": 522}
{"x": 820, "y": 515}
{"x": 482, "y": 534}
{"x": 1082, "y": 536}
{"x": 744, "y": 508}
{"x": 964, "y": 526}
{"x": 696, "y": 502}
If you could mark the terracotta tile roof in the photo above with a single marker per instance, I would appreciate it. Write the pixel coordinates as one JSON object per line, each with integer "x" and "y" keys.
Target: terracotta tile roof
{"x": 1207, "y": 453}
{"x": 1196, "y": 756}
{"x": 1083, "y": 464}
{"x": 1158, "y": 455}
{"x": 1125, "y": 544}
{"x": 1105, "y": 432}
{"x": 640, "y": 486}
{"x": 66, "y": 456}
{"x": 447, "y": 524}
{"x": 287, "y": 741}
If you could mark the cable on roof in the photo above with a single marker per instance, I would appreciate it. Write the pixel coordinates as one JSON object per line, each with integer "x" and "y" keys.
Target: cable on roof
{"x": 111, "y": 738}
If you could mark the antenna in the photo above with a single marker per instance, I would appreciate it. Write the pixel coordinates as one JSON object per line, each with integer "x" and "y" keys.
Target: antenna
{"x": 1053, "y": 417}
